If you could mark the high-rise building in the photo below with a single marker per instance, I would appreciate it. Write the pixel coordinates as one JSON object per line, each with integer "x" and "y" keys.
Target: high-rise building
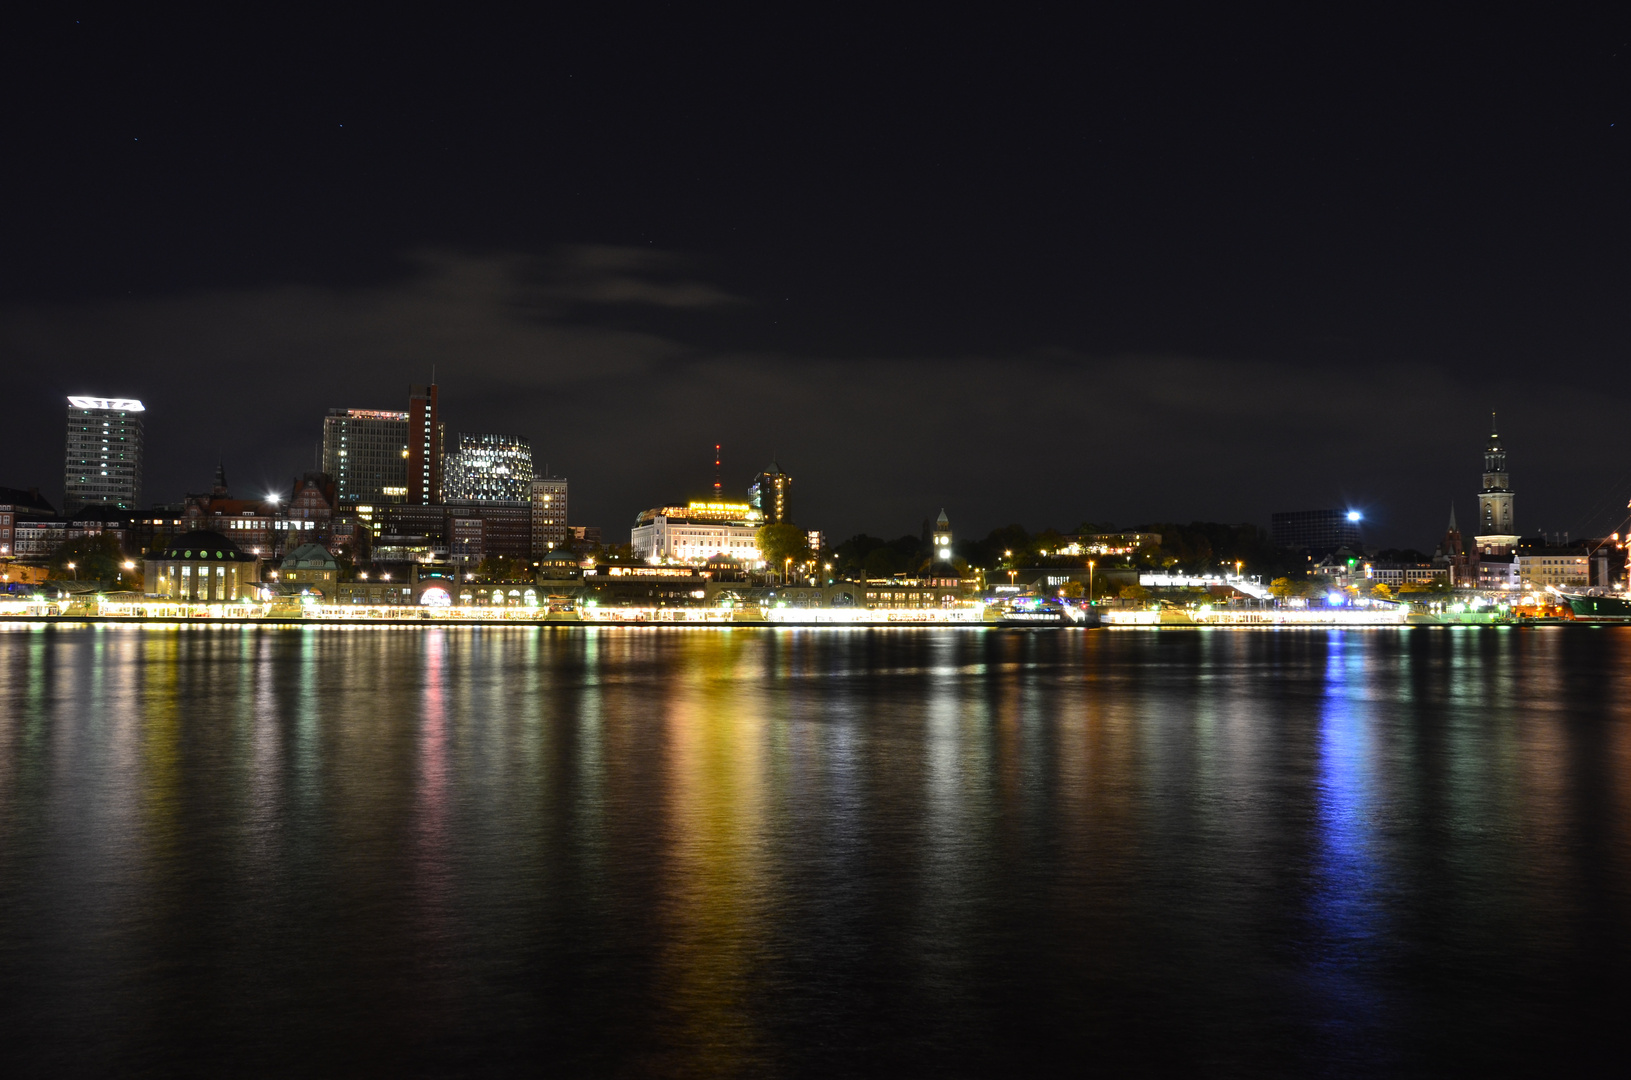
{"x": 771, "y": 493}
{"x": 549, "y": 528}
{"x": 424, "y": 447}
{"x": 1315, "y": 530}
{"x": 366, "y": 452}
{"x": 490, "y": 468}
{"x": 103, "y": 463}
{"x": 1495, "y": 511}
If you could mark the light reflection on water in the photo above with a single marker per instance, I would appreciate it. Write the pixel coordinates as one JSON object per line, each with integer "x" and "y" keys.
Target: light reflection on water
{"x": 746, "y": 852}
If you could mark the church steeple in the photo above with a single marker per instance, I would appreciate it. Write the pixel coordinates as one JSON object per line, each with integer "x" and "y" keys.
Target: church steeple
{"x": 1495, "y": 510}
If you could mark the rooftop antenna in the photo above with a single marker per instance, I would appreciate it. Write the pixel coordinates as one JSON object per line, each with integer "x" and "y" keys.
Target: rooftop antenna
{"x": 719, "y": 488}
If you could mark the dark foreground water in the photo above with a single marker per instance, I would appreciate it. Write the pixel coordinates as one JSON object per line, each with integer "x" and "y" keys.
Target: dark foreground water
{"x": 749, "y": 852}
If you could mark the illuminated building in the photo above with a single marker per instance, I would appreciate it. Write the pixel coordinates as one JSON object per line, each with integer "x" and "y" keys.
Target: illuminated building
{"x": 309, "y": 568}
{"x": 425, "y": 435}
{"x": 1315, "y": 530}
{"x": 549, "y": 528}
{"x": 408, "y": 533}
{"x": 696, "y": 532}
{"x": 1496, "y": 529}
{"x": 1122, "y": 543}
{"x": 20, "y": 508}
{"x": 366, "y": 452}
{"x": 1396, "y": 575}
{"x": 940, "y": 551}
{"x": 770, "y": 494}
{"x": 489, "y": 468}
{"x": 103, "y": 462}
{"x": 202, "y": 567}
{"x": 1543, "y": 566}
{"x": 466, "y": 539}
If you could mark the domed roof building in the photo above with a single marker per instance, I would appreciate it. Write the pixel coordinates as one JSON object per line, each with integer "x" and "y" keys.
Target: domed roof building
{"x": 202, "y": 567}
{"x": 561, "y": 563}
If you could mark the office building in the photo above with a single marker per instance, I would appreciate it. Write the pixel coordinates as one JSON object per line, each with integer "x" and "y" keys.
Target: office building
{"x": 1315, "y": 530}
{"x": 549, "y": 528}
{"x": 696, "y": 532}
{"x": 489, "y": 468}
{"x": 366, "y": 452}
{"x": 425, "y": 435}
{"x": 770, "y": 494}
{"x": 103, "y": 463}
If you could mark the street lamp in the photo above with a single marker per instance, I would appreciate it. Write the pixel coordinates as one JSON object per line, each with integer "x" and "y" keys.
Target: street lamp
{"x": 1090, "y": 565}
{"x": 75, "y": 572}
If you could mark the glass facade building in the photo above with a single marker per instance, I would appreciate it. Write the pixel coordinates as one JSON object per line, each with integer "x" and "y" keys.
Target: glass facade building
{"x": 490, "y": 468}
{"x": 771, "y": 494}
{"x": 1315, "y": 530}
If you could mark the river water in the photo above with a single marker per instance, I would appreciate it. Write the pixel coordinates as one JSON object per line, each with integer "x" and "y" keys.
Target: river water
{"x": 690, "y": 851}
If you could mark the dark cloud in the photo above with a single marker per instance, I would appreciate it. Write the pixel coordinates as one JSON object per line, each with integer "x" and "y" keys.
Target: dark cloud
{"x": 1126, "y": 267}
{"x": 876, "y": 442}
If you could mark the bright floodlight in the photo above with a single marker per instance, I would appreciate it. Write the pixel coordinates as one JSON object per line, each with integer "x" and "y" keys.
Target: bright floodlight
{"x": 1354, "y": 515}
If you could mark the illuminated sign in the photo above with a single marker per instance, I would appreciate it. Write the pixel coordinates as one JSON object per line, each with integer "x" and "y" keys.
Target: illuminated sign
{"x": 719, "y": 507}
{"x": 119, "y": 404}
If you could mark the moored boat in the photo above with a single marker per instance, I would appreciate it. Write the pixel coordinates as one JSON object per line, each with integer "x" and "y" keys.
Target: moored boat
{"x": 1610, "y": 608}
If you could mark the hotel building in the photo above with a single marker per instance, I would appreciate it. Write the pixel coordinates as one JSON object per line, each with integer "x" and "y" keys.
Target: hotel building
{"x": 696, "y": 532}
{"x": 103, "y": 463}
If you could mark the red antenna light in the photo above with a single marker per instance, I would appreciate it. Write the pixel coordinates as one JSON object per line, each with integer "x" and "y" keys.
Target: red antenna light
{"x": 718, "y": 487}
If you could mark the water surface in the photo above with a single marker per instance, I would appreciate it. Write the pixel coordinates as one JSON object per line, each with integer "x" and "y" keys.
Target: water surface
{"x": 687, "y": 851}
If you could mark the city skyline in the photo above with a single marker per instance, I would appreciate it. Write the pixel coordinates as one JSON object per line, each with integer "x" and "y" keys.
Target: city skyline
{"x": 1103, "y": 275}
{"x": 338, "y": 423}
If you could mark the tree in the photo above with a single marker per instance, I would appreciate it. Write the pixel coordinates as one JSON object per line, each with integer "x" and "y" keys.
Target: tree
{"x": 1072, "y": 589}
{"x": 1135, "y": 592}
{"x": 780, "y": 541}
{"x": 95, "y": 558}
{"x": 504, "y": 568}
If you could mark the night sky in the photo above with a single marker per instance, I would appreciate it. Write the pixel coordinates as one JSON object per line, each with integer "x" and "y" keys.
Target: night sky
{"x": 1029, "y": 267}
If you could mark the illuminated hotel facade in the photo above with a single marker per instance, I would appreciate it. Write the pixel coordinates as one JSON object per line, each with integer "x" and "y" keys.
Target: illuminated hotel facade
{"x": 103, "y": 459}
{"x": 696, "y": 532}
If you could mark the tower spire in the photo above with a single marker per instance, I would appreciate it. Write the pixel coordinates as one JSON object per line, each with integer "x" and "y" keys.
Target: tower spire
{"x": 719, "y": 487}
{"x": 1493, "y": 430}
{"x": 1452, "y": 517}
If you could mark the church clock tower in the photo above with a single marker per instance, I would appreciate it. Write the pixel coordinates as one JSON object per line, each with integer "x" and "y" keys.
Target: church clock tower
{"x": 1496, "y": 528}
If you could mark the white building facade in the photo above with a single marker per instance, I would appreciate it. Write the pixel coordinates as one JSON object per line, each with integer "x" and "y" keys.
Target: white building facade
{"x": 696, "y": 532}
